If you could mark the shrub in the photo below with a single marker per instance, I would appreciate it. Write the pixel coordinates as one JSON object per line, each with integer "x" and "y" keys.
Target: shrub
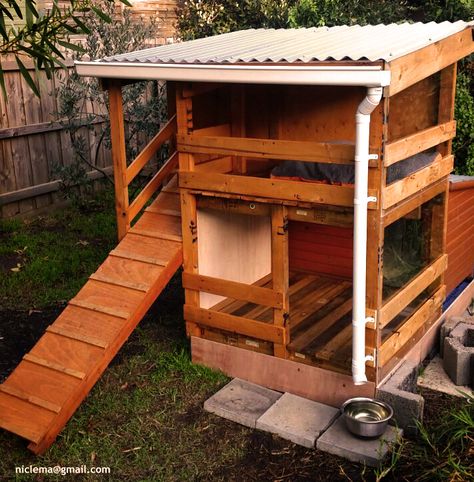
{"x": 83, "y": 105}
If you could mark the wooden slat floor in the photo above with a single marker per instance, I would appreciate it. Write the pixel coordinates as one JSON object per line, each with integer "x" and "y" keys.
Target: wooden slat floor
{"x": 45, "y": 389}
{"x": 320, "y": 318}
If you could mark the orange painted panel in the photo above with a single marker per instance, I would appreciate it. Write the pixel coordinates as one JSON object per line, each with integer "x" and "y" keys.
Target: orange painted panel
{"x": 318, "y": 248}
{"x": 460, "y": 236}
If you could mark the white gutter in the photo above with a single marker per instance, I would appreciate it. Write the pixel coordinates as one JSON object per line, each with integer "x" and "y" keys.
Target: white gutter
{"x": 362, "y": 156}
{"x": 366, "y": 76}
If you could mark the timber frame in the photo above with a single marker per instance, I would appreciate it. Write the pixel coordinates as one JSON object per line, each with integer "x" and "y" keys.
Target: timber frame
{"x": 225, "y": 148}
{"x": 212, "y": 166}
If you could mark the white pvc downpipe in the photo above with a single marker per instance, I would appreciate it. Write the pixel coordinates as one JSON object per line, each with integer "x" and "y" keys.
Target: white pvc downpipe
{"x": 362, "y": 156}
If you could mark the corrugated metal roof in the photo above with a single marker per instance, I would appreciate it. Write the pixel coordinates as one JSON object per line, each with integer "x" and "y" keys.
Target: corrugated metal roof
{"x": 304, "y": 45}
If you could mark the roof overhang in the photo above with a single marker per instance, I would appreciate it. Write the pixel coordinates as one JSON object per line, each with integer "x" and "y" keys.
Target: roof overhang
{"x": 367, "y": 75}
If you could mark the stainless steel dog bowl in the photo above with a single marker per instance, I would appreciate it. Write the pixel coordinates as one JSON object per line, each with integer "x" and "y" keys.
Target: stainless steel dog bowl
{"x": 366, "y": 417}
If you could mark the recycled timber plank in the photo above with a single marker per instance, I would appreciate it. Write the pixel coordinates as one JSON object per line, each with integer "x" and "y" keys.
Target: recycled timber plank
{"x": 408, "y": 293}
{"x": 268, "y": 148}
{"x": 403, "y": 148}
{"x": 422, "y": 63}
{"x": 400, "y": 190}
{"x": 45, "y": 389}
{"x": 403, "y": 335}
{"x": 232, "y": 289}
{"x": 270, "y": 188}
{"x": 307, "y": 381}
{"x": 236, "y": 324}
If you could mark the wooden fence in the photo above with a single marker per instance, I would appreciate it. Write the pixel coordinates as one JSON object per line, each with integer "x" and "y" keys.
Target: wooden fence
{"x": 33, "y": 139}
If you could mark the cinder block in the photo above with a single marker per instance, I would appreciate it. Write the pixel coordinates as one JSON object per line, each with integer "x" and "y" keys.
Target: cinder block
{"x": 446, "y": 328}
{"x": 297, "y": 419}
{"x": 337, "y": 440}
{"x": 397, "y": 391}
{"x": 458, "y": 351}
{"x": 242, "y": 402}
{"x": 450, "y": 325}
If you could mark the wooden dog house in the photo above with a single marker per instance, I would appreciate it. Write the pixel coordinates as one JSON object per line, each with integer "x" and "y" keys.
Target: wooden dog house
{"x": 309, "y": 210}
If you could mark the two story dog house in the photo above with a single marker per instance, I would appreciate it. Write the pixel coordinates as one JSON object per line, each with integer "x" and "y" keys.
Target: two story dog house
{"x": 313, "y": 174}
{"x": 305, "y": 197}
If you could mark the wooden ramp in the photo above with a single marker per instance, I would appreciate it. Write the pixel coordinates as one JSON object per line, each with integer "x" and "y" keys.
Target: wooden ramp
{"x": 45, "y": 389}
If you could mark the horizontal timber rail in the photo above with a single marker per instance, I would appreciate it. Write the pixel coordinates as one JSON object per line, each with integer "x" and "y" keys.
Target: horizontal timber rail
{"x": 306, "y": 151}
{"x": 235, "y": 324}
{"x": 410, "y": 291}
{"x": 400, "y": 190}
{"x": 408, "y": 331}
{"x": 124, "y": 175}
{"x": 232, "y": 289}
{"x": 280, "y": 189}
{"x": 421, "y": 141}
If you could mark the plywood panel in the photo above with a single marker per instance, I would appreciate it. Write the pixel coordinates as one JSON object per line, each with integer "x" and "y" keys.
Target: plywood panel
{"x": 319, "y": 113}
{"x": 234, "y": 247}
{"x": 279, "y": 374}
{"x": 414, "y": 109}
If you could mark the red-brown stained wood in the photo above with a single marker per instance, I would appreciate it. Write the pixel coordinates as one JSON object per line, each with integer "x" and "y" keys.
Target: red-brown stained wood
{"x": 460, "y": 237}
{"x": 320, "y": 249}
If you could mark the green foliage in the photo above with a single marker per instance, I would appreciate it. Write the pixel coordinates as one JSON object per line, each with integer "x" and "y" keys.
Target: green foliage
{"x": 463, "y": 145}
{"x": 317, "y": 13}
{"x": 42, "y": 37}
{"x": 83, "y": 104}
{"x": 197, "y": 18}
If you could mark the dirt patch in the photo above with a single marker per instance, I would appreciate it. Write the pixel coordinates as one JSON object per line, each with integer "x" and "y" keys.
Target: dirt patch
{"x": 9, "y": 261}
{"x": 19, "y": 331}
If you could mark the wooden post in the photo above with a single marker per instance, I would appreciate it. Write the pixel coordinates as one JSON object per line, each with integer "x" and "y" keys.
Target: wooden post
{"x": 447, "y": 94}
{"x": 184, "y": 118}
{"x": 190, "y": 252}
{"x": 119, "y": 157}
{"x": 280, "y": 274}
{"x": 375, "y": 230}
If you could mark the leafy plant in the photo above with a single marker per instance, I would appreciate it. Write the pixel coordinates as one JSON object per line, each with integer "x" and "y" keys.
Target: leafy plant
{"x": 463, "y": 145}
{"x": 42, "y": 37}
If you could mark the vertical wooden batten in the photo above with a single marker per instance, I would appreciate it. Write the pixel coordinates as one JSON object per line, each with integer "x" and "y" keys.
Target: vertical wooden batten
{"x": 280, "y": 274}
{"x": 184, "y": 117}
{"x": 119, "y": 156}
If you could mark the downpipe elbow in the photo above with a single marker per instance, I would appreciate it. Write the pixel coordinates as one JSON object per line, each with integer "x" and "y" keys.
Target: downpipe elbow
{"x": 370, "y": 102}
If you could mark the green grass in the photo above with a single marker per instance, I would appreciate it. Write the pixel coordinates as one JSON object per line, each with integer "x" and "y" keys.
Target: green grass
{"x": 52, "y": 257}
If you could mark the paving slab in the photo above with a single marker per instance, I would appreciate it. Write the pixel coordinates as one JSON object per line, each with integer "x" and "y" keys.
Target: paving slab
{"x": 297, "y": 419}
{"x": 337, "y": 440}
{"x": 435, "y": 378}
{"x": 242, "y": 402}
